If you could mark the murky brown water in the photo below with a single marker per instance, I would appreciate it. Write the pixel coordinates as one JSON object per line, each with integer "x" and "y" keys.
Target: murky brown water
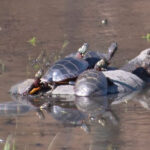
{"x": 54, "y": 24}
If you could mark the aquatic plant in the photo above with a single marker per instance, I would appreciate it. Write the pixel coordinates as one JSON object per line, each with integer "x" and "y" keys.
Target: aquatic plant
{"x": 53, "y": 141}
{"x": 10, "y": 143}
{"x": 2, "y": 67}
{"x": 33, "y": 41}
{"x": 43, "y": 59}
{"x": 147, "y": 37}
{"x": 65, "y": 44}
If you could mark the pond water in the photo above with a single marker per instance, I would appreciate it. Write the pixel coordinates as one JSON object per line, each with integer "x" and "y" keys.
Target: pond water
{"x": 60, "y": 28}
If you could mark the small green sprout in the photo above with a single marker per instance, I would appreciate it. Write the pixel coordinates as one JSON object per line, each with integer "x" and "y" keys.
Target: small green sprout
{"x": 65, "y": 44}
{"x": 147, "y": 37}
{"x": 10, "y": 143}
{"x": 33, "y": 41}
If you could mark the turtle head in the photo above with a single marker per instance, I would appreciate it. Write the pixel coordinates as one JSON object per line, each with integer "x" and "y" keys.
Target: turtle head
{"x": 142, "y": 62}
{"x": 36, "y": 86}
{"x": 101, "y": 64}
{"x": 82, "y": 50}
{"x": 145, "y": 60}
{"x": 39, "y": 74}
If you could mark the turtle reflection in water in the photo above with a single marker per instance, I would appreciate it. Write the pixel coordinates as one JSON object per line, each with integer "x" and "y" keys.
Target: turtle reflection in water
{"x": 98, "y": 109}
{"x": 67, "y": 114}
{"x": 83, "y": 112}
{"x": 68, "y": 69}
{"x": 14, "y": 108}
{"x": 20, "y": 105}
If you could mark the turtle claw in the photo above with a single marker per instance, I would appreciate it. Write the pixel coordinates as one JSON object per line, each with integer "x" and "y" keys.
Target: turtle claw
{"x": 71, "y": 82}
{"x": 85, "y": 127}
{"x": 25, "y": 93}
{"x": 45, "y": 105}
{"x": 40, "y": 114}
{"x": 52, "y": 86}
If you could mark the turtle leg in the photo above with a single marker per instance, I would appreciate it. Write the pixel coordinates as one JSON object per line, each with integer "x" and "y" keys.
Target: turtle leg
{"x": 51, "y": 87}
{"x": 71, "y": 82}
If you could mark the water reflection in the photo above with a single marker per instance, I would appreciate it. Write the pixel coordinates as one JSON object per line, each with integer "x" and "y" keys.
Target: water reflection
{"x": 95, "y": 123}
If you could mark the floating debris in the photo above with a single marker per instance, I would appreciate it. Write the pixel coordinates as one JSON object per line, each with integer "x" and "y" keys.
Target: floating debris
{"x": 33, "y": 41}
{"x": 147, "y": 37}
{"x": 1, "y": 141}
{"x": 0, "y": 28}
{"x": 102, "y": 122}
{"x": 104, "y": 21}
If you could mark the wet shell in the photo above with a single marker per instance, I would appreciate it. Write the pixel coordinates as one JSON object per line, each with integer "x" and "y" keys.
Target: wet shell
{"x": 67, "y": 68}
{"x": 91, "y": 82}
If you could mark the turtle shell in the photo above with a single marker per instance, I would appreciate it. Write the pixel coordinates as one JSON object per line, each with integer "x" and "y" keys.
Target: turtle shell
{"x": 92, "y": 57}
{"x": 91, "y": 82}
{"x": 65, "y": 69}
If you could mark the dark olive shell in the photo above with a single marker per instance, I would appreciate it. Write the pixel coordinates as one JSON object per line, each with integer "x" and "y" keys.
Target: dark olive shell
{"x": 67, "y": 68}
{"x": 91, "y": 82}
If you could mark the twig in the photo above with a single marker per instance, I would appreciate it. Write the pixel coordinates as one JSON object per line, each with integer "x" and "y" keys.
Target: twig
{"x": 52, "y": 142}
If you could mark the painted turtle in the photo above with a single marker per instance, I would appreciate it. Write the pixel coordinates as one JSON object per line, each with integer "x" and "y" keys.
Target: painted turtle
{"x": 93, "y": 57}
{"x": 140, "y": 65}
{"x": 68, "y": 69}
{"x": 62, "y": 72}
{"x": 91, "y": 82}
{"x": 121, "y": 80}
{"x": 130, "y": 77}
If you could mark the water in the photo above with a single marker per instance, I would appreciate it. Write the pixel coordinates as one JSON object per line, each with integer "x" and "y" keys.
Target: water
{"x": 61, "y": 27}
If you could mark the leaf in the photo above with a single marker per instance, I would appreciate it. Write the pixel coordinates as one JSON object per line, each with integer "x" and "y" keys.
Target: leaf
{"x": 65, "y": 44}
{"x": 7, "y": 145}
{"x": 147, "y": 37}
{"x": 33, "y": 41}
{"x": 36, "y": 67}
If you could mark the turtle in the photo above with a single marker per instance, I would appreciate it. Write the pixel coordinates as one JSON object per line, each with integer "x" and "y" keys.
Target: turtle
{"x": 92, "y": 57}
{"x": 131, "y": 77}
{"x": 66, "y": 71}
{"x": 123, "y": 80}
